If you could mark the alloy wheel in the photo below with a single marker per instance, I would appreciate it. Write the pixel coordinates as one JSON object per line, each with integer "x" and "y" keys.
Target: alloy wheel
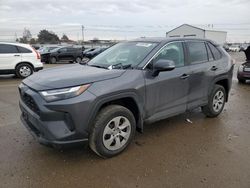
{"x": 218, "y": 101}
{"x": 116, "y": 133}
{"x": 25, "y": 71}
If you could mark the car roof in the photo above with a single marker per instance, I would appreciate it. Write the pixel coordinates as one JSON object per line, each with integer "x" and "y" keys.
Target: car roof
{"x": 165, "y": 40}
{"x": 17, "y": 44}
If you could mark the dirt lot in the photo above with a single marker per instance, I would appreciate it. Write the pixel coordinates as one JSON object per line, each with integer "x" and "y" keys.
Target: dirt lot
{"x": 170, "y": 153}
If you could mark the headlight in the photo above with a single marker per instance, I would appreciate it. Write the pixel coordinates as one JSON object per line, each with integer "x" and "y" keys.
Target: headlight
{"x": 65, "y": 93}
{"x": 240, "y": 68}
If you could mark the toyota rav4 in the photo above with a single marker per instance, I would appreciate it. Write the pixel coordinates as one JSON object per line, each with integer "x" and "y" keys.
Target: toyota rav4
{"x": 123, "y": 88}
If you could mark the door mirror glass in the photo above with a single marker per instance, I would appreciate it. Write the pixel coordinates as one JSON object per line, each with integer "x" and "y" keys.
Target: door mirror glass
{"x": 162, "y": 65}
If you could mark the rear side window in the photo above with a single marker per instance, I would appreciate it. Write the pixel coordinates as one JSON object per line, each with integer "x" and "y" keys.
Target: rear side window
{"x": 215, "y": 51}
{"x": 8, "y": 49}
{"x": 209, "y": 53}
{"x": 71, "y": 49}
{"x": 23, "y": 50}
{"x": 197, "y": 52}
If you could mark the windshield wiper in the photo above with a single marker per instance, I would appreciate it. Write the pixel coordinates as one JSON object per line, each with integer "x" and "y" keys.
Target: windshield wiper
{"x": 120, "y": 66}
{"x": 98, "y": 66}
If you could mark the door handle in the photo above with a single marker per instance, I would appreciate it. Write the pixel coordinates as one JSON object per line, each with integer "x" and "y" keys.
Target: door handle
{"x": 214, "y": 68}
{"x": 184, "y": 76}
{"x": 16, "y": 55}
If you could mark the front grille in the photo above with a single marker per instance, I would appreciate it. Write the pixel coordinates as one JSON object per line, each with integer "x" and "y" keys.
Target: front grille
{"x": 32, "y": 127}
{"x": 29, "y": 101}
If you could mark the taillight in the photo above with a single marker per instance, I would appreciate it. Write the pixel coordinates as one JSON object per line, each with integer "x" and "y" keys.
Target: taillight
{"x": 38, "y": 56}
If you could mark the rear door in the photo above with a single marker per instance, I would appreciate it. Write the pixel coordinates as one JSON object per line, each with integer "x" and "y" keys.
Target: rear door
{"x": 200, "y": 71}
{"x": 9, "y": 56}
{"x": 27, "y": 54}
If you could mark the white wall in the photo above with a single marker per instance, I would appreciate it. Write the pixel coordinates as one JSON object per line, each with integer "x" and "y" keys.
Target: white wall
{"x": 185, "y": 30}
{"x": 217, "y": 36}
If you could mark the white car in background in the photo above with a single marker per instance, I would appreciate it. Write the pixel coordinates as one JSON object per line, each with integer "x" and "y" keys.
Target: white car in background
{"x": 19, "y": 59}
{"x": 234, "y": 48}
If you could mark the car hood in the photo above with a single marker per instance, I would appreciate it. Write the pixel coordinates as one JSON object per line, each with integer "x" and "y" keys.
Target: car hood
{"x": 69, "y": 75}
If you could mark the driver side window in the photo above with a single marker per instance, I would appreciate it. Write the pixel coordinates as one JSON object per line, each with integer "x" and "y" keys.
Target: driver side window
{"x": 63, "y": 50}
{"x": 174, "y": 52}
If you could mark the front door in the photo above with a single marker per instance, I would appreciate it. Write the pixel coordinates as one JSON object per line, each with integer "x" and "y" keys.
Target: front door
{"x": 166, "y": 94}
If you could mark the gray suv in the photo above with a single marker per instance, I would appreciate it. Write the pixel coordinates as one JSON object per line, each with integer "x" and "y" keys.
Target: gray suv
{"x": 126, "y": 86}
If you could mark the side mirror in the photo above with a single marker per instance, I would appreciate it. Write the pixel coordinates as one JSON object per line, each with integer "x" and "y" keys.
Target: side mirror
{"x": 162, "y": 65}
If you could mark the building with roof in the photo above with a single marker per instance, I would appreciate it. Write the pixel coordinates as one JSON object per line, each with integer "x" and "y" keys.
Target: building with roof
{"x": 186, "y": 30}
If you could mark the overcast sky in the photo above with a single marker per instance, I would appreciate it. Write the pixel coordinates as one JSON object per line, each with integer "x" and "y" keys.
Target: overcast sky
{"x": 123, "y": 19}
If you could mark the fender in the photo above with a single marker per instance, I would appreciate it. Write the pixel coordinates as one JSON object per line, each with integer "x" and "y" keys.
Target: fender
{"x": 99, "y": 102}
{"x": 224, "y": 76}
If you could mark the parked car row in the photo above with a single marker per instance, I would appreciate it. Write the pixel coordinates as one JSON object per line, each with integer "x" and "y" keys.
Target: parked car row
{"x": 236, "y": 48}
{"x": 92, "y": 52}
{"x": 70, "y": 54}
{"x": 23, "y": 59}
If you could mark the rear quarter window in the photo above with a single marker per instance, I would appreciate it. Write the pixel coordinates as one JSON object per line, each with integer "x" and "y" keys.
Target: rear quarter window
{"x": 216, "y": 53}
{"x": 210, "y": 55}
{"x": 23, "y": 50}
{"x": 197, "y": 52}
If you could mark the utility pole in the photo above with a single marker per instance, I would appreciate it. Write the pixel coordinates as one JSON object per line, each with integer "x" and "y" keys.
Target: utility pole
{"x": 15, "y": 37}
{"x": 82, "y": 33}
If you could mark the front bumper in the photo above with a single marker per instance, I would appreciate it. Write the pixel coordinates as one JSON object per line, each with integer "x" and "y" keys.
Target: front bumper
{"x": 243, "y": 75}
{"x": 57, "y": 123}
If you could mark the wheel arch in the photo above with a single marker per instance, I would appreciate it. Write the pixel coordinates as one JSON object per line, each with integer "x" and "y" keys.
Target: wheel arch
{"x": 128, "y": 100}
{"x": 52, "y": 56}
{"x": 25, "y": 62}
{"x": 224, "y": 82}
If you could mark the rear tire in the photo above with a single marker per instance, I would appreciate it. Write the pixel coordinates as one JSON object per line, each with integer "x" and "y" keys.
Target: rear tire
{"x": 24, "y": 70}
{"x": 216, "y": 102}
{"x": 113, "y": 130}
{"x": 78, "y": 60}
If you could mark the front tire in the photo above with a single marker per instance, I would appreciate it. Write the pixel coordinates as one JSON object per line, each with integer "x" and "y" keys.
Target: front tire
{"x": 53, "y": 60}
{"x": 216, "y": 102}
{"x": 113, "y": 130}
{"x": 24, "y": 70}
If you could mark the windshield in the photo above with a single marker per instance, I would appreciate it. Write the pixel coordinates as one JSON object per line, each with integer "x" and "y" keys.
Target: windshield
{"x": 125, "y": 54}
